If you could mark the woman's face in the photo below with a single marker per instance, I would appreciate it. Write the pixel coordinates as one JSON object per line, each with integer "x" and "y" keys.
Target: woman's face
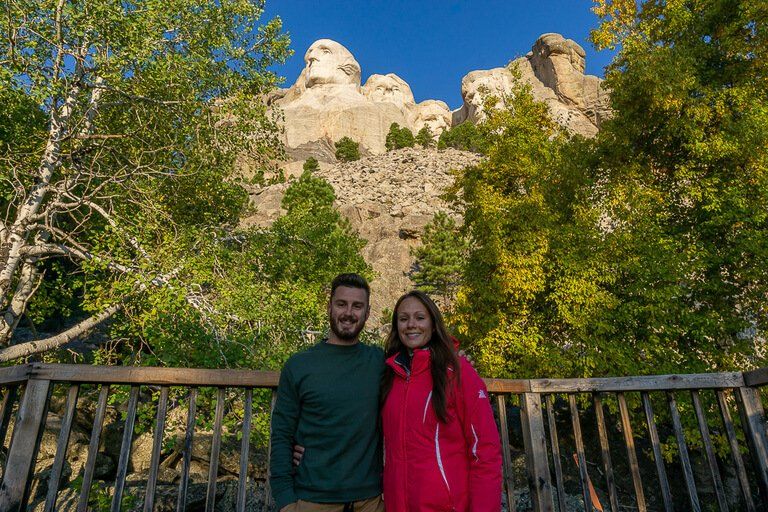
{"x": 414, "y": 325}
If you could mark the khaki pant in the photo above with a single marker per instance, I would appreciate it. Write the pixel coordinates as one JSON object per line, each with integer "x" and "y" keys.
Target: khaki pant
{"x": 370, "y": 505}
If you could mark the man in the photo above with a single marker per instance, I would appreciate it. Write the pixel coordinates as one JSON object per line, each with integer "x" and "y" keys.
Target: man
{"x": 328, "y": 402}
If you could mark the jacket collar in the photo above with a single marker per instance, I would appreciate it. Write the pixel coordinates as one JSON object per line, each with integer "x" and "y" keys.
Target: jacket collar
{"x": 419, "y": 362}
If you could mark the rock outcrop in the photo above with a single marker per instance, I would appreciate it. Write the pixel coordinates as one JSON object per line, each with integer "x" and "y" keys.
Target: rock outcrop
{"x": 388, "y": 199}
{"x": 554, "y": 69}
{"x": 327, "y": 101}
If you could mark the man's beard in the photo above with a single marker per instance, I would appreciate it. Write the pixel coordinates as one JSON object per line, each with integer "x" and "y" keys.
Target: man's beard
{"x": 346, "y": 335}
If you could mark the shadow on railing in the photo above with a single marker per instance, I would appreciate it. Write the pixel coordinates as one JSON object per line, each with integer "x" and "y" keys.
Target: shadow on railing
{"x": 722, "y": 419}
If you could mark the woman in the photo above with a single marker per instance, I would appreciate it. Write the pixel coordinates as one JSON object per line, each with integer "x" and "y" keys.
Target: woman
{"x": 441, "y": 446}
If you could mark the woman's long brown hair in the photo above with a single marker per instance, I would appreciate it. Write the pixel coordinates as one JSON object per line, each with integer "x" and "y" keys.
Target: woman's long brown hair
{"x": 442, "y": 352}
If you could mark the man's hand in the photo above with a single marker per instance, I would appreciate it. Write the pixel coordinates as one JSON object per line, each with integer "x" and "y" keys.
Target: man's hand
{"x": 288, "y": 507}
{"x": 298, "y": 454}
{"x": 466, "y": 356}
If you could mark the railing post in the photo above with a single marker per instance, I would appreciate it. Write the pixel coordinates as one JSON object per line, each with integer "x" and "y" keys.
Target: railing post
{"x": 537, "y": 462}
{"x": 506, "y": 456}
{"x": 753, "y": 418}
{"x": 24, "y": 444}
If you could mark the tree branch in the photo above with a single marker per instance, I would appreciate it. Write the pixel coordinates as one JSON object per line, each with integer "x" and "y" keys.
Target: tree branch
{"x": 34, "y": 347}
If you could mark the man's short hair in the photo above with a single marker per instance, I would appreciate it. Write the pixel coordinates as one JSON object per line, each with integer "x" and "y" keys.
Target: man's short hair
{"x": 352, "y": 281}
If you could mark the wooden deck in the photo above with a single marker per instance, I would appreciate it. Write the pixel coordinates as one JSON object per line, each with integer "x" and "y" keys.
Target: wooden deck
{"x": 726, "y": 405}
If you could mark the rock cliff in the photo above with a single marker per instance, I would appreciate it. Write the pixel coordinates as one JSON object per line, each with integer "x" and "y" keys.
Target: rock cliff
{"x": 388, "y": 198}
{"x": 554, "y": 69}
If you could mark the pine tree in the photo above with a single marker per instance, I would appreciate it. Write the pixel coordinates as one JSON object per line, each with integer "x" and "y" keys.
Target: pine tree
{"x": 441, "y": 258}
{"x": 466, "y": 137}
{"x": 311, "y": 165}
{"x": 398, "y": 137}
{"x": 347, "y": 150}
{"x": 425, "y": 138}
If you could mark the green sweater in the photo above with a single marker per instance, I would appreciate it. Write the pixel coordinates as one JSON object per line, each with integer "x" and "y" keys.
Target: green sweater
{"x": 328, "y": 402}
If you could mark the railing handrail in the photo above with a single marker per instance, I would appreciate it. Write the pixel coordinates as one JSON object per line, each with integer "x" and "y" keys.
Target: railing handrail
{"x": 196, "y": 377}
{"x": 154, "y": 375}
{"x": 15, "y": 374}
{"x": 756, "y": 378}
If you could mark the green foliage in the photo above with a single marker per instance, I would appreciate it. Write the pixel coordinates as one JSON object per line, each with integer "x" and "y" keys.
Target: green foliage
{"x": 398, "y": 137}
{"x": 21, "y": 119}
{"x": 684, "y": 171}
{"x": 308, "y": 192}
{"x": 643, "y": 250}
{"x": 100, "y": 496}
{"x": 311, "y": 165}
{"x": 507, "y": 219}
{"x": 440, "y": 259}
{"x": 203, "y": 199}
{"x": 140, "y": 197}
{"x": 466, "y": 137}
{"x": 425, "y": 138}
{"x": 264, "y": 291}
{"x": 347, "y": 150}
{"x": 58, "y": 297}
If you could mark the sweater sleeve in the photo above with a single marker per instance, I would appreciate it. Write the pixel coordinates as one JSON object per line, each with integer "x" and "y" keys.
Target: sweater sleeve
{"x": 285, "y": 419}
{"x": 482, "y": 435}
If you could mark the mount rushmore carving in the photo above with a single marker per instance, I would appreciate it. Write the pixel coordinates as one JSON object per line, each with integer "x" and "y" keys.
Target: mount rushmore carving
{"x": 327, "y": 101}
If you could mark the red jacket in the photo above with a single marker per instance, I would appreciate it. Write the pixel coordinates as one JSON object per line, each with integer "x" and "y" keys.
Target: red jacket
{"x": 434, "y": 466}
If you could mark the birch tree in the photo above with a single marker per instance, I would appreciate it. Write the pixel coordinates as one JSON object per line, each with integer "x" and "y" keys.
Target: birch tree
{"x": 122, "y": 125}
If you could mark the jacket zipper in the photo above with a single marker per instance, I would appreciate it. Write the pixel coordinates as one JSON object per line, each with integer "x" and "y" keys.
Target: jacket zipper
{"x": 402, "y": 425}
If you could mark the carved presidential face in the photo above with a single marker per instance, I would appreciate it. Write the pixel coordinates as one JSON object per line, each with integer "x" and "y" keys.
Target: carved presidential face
{"x": 328, "y": 62}
{"x": 566, "y": 55}
{"x": 434, "y": 114}
{"x": 388, "y": 88}
{"x": 478, "y": 85}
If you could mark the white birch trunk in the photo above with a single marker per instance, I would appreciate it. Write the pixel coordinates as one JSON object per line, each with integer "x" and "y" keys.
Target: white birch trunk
{"x": 11, "y": 255}
{"x": 29, "y": 280}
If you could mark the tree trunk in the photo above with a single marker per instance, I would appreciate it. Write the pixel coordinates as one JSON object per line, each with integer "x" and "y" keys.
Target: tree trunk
{"x": 29, "y": 280}
{"x": 18, "y": 234}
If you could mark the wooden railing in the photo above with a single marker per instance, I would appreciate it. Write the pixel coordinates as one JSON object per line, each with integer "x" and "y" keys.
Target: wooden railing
{"x": 717, "y": 406}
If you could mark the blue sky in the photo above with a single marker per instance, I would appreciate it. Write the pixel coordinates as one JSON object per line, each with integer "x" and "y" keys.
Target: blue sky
{"x": 433, "y": 44}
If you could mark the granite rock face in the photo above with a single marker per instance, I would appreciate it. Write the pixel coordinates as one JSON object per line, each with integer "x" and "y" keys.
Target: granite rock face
{"x": 434, "y": 114}
{"x": 554, "y": 69}
{"x": 388, "y": 198}
{"x": 388, "y": 88}
{"x": 327, "y": 103}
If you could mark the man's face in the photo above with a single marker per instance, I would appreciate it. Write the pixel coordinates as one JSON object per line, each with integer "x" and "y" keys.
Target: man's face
{"x": 347, "y": 312}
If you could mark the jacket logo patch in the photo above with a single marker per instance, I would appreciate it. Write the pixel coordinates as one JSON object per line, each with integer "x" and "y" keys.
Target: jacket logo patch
{"x": 481, "y": 394}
